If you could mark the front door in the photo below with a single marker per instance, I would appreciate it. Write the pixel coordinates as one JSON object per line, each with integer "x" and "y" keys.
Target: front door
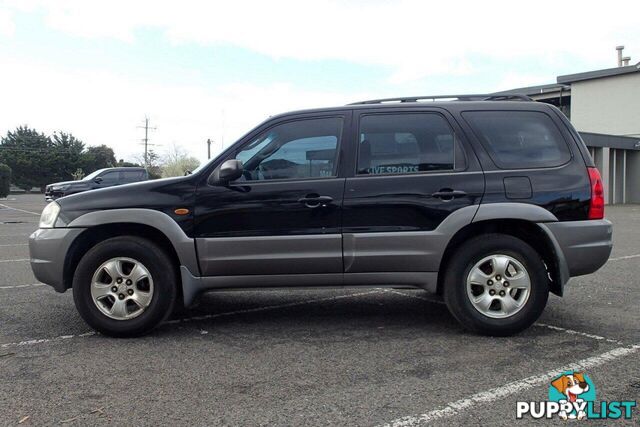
{"x": 283, "y": 216}
{"x": 413, "y": 172}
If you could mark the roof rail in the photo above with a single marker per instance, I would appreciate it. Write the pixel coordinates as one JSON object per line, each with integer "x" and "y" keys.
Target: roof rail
{"x": 485, "y": 97}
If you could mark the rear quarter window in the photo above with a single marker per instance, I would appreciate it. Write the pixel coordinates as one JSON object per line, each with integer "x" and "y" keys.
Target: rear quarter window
{"x": 133, "y": 176}
{"x": 519, "y": 139}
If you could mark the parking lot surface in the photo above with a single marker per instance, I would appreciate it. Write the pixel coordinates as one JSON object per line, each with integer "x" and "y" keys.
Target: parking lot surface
{"x": 301, "y": 357}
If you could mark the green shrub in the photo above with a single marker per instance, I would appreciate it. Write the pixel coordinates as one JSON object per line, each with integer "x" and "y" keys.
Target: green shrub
{"x": 5, "y": 180}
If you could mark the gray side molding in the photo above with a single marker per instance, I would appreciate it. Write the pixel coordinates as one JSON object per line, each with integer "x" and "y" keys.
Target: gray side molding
{"x": 193, "y": 286}
{"x": 183, "y": 245}
{"x": 526, "y": 211}
{"x": 563, "y": 268}
{"x": 404, "y": 250}
{"x": 585, "y": 245}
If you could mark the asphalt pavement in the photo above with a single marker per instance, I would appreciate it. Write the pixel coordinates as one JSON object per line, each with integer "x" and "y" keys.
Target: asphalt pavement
{"x": 346, "y": 357}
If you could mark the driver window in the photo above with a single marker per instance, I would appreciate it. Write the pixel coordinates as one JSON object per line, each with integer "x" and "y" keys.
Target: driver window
{"x": 294, "y": 150}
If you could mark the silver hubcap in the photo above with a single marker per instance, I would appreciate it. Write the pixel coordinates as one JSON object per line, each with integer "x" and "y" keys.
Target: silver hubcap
{"x": 498, "y": 286}
{"x": 122, "y": 288}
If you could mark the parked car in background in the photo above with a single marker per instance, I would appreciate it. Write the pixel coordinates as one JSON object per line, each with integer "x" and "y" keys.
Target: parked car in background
{"x": 491, "y": 202}
{"x": 102, "y": 178}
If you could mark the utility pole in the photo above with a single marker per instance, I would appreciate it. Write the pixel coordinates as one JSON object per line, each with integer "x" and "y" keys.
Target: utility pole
{"x": 208, "y": 148}
{"x": 146, "y": 140}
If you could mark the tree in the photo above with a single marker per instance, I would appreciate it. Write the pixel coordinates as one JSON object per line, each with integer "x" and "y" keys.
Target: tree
{"x": 78, "y": 174}
{"x": 122, "y": 164}
{"x": 177, "y": 162}
{"x": 98, "y": 157}
{"x": 5, "y": 180}
{"x": 153, "y": 166}
{"x": 29, "y": 155}
{"x": 68, "y": 152}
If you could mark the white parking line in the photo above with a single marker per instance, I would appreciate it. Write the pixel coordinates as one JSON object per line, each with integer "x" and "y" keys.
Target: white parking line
{"x": 582, "y": 334}
{"x": 189, "y": 319}
{"x": 28, "y": 285}
{"x": 420, "y": 297}
{"x": 272, "y": 307}
{"x": 542, "y": 325}
{"x": 453, "y": 408}
{"x": 14, "y": 260}
{"x": 624, "y": 257}
{"x": 20, "y": 210}
{"x": 15, "y": 244}
{"x": 45, "y": 340}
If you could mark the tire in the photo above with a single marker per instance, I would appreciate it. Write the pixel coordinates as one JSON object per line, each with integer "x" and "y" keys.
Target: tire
{"x": 508, "y": 310}
{"x": 99, "y": 298}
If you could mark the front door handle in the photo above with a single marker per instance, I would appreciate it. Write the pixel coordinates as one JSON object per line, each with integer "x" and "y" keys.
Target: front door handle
{"x": 447, "y": 194}
{"x": 316, "y": 201}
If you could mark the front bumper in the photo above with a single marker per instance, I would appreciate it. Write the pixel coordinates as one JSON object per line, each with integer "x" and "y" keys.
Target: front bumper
{"x": 584, "y": 245}
{"x": 48, "y": 248}
{"x": 51, "y": 195}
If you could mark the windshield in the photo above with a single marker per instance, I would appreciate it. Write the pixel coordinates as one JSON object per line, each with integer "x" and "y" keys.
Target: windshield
{"x": 92, "y": 175}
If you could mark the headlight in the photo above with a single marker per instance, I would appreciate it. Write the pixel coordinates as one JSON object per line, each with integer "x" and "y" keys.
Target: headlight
{"x": 60, "y": 187}
{"x": 49, "y": 215}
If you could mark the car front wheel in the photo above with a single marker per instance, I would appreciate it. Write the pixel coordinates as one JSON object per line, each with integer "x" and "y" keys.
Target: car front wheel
{"x": 124, "y": 286}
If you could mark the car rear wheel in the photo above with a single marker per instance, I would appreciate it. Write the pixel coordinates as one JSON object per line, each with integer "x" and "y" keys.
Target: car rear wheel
{"x": 496, "y": 284}
{"x": 125, "y": 286}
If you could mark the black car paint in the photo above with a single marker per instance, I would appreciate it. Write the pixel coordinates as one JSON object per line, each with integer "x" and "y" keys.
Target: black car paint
{"x": 164, "y": 195}
{"x": 408, "y": 202}
{"x": 273, "y": 207}
{"x": 233, "y": 209}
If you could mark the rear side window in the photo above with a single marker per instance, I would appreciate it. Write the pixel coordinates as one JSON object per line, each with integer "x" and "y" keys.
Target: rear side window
{"x": 133, "y": 176}
{"x": 519, "y": 139}
{"x": 406, "y": 143}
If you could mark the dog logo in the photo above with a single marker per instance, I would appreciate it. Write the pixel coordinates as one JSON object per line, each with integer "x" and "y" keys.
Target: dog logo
{"x": 575, "y": 389}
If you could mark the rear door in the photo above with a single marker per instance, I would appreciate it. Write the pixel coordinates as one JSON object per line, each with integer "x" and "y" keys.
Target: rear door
{"x": 414, "y": 170}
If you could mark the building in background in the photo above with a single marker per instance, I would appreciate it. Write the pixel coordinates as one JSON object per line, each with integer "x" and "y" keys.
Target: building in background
{"x": 604, "y": 106}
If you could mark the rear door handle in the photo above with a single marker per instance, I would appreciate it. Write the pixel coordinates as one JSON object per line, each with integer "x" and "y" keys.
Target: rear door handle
{"x": 316, "y": 201}
{"x": 448, "y": 194}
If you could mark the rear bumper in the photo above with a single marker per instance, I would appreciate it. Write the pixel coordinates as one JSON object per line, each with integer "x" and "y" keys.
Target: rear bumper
{"x": 584, "y": 245}
{"x": 48, "y": 248}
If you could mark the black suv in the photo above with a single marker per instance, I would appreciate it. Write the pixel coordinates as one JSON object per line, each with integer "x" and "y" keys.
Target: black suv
{"x": 101, "y": 178}
{"x": 490, "y": 202}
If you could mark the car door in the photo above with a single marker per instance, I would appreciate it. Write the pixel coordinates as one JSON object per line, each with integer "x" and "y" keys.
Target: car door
{"x": 283, "y": 216}
{"x": 413, "y": 172}
{"x": 108, "y": 179}
{"x": 129, "y": 176}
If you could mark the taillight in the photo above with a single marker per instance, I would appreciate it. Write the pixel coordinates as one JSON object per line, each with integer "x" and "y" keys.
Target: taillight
{"x": 596, "y": 207}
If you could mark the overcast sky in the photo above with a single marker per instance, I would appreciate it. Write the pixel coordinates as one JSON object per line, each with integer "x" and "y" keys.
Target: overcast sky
{"x": 205, "y": 69}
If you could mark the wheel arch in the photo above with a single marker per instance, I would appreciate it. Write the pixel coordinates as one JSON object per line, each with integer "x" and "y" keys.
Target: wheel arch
{"x": 94, "y": 235}
{"x": 526, "y": 230}
{"x": 146, "y": 223}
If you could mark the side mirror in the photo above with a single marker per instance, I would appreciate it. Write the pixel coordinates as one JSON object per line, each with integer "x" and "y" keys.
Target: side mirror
{"x": 97, "y": 180}
{"x": 228, "y": 171}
